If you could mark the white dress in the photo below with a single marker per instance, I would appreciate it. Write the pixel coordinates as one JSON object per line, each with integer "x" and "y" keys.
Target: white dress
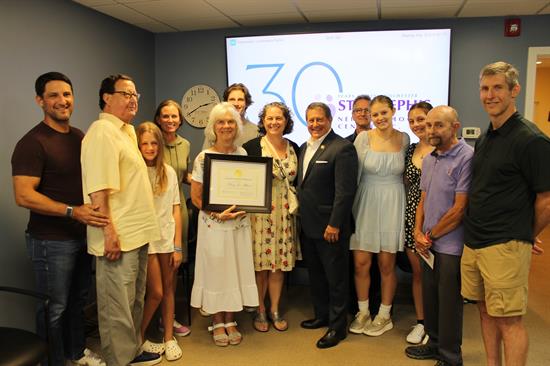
{"x": 224, "y": 266}
{"x": 164, "y": 204}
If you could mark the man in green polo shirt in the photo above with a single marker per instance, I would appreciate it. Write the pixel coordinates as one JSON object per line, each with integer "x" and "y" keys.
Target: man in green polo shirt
{"x": 509, "y": 206}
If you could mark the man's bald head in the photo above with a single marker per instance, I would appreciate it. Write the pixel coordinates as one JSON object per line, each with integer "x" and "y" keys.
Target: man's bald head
{"x": 442, "y": 125}
{"x": 445, "y": 112}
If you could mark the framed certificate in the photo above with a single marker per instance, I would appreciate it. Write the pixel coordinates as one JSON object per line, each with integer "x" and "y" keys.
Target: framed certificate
{"x": 239, "y": 180}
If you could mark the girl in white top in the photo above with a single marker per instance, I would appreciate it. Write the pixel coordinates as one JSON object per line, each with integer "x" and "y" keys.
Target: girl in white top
{"x": 164, "y": 254}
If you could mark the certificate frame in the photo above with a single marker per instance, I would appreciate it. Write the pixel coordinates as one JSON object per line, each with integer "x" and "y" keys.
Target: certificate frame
{"x": 241, "y": 180}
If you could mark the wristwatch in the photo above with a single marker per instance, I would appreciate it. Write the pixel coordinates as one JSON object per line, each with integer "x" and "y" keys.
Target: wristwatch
{"x": 69, "y": 211}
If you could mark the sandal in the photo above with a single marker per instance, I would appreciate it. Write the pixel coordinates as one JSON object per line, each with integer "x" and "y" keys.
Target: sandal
{"x": 276, "y": 318}
{"x": 235, "y": 337}
{"x": 172, "y": 350}
{"x": 221, "y": 339}
{"x": 260, "y": 322}
{"x": 152, "y": 347}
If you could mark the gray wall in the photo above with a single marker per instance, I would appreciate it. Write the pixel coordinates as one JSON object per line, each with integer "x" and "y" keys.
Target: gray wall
{"x": 38, "y": 36}
{"x": 188, "y": 58}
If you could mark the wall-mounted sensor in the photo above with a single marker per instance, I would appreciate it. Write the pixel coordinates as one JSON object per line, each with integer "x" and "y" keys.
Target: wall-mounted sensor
{"x": 471, "y": 132}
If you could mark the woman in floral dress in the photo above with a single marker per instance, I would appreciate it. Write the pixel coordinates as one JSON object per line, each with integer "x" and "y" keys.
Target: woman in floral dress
{"x": 274, "y": 240}
{"x": 413, "y": 165}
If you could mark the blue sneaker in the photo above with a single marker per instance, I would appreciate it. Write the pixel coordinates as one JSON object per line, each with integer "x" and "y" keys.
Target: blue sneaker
{"x": 146, "y": 359}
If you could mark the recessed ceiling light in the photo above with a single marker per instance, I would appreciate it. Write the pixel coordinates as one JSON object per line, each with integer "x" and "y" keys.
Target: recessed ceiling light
{"x": 539, "y": 62}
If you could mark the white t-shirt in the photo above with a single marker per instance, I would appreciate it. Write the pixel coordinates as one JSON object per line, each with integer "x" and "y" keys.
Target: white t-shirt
{"x": 164, "y": 203}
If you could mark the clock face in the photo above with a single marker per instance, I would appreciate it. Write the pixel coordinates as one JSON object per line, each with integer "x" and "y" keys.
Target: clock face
{"x": 197, "y": 103}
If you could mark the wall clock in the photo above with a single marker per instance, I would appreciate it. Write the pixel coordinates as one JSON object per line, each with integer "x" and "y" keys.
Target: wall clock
{"x": 197, "y": 102}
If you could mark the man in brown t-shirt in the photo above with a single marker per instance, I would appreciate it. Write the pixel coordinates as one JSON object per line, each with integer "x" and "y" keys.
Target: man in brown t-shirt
{"x": 47, "y": 180}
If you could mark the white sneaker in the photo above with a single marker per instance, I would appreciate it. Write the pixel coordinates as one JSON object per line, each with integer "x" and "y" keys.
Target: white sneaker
{"x": 378, "y": 326}
{"x": 360, "y": 322}
{"x": 153, "y": 347}
{"x": 179, "y": 329}
{"x": 417, "y": 334}
{"x": 172, "y": 350}
{"x": 89, "y": 359}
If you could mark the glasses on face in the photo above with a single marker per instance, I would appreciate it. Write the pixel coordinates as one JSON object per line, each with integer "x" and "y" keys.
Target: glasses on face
{"x": 361, "y": 110}
{"x": 127, "y": 95}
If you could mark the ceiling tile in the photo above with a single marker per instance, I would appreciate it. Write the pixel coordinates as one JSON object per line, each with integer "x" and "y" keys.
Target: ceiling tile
{"x": 419, "y": 12}
{"x": 253, "y": 7}
{"x": 90, "y": 3}
{"x": 166, "y": 10}
{"x": 341, "y": 15}
{"x": 419, "y": 3}
{"x": 328, "y": 5}
{"x": 202, "y": 23}
{"x": 269, "y": 19}
{"x": 481, "y": 8}
{"x": 212, "y": 14}
{"x": 123, "y": 13}
{"x": 135, "y": 1}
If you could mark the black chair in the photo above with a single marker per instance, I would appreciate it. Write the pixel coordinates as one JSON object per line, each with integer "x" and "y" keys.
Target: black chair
{"x": 20, "y": 347}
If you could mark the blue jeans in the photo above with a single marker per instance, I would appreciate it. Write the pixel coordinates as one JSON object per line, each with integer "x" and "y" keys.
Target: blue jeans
{"x": 62, "y": 269}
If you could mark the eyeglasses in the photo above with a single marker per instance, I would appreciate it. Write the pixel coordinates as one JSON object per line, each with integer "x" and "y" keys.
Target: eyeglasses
{"x": 361, "y": 110}
{"x": 127, "y": 95}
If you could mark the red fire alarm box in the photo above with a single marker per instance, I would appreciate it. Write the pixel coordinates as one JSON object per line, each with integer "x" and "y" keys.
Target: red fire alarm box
{"x": 512, "y": 27}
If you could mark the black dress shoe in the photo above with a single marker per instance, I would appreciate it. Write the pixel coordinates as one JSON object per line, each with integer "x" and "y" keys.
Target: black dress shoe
{"x": 422, "y": 352}
{"x": 330, "y": 339}
{"x": 314, "y": 323}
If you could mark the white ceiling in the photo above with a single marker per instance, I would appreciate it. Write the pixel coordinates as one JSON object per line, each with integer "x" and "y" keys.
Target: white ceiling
{"x": 160, "y": 16}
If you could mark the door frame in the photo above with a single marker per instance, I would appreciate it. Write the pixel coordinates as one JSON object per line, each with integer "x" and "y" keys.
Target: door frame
{"x": 530, "y": 81}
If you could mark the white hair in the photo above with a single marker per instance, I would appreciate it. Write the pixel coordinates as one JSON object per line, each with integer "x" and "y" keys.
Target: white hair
{"x": 217, "y": 113}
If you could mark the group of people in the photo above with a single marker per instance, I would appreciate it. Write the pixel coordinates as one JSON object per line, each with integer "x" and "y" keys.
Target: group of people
{"x": 467, "y": 218}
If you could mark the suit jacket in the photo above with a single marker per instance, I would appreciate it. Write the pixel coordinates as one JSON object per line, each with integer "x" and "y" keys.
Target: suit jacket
{"x": 327, "y": 190}
{"x": 351, "y": 138}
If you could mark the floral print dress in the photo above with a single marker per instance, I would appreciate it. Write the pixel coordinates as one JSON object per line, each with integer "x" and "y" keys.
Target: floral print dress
{"x": 412, "y": 173}
{"x": 274, "y": 238}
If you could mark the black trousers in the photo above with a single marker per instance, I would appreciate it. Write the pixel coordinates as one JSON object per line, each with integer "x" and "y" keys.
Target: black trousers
{"x": 443, "y": 306}
{"x": 327, "y": 265}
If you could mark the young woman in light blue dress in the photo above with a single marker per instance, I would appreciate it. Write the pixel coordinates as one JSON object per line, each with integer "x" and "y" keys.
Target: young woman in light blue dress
{"x": 379, "y": 210}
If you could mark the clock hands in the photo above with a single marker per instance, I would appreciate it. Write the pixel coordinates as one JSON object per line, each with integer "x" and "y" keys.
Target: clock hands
{"x": 202, "y": 105}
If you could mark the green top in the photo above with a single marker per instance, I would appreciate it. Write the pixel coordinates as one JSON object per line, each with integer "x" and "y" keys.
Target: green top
{"x": 176, "y": 154}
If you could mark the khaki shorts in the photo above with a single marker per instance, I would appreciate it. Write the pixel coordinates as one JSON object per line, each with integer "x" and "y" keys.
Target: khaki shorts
{"x": 498, "y": 275}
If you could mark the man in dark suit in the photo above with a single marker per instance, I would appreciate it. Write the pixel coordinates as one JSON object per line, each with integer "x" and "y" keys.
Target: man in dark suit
{"x": 327, "y": 180}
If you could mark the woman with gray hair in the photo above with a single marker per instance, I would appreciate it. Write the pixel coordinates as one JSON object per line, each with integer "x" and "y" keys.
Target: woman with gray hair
{"x": 224, "y": 268}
